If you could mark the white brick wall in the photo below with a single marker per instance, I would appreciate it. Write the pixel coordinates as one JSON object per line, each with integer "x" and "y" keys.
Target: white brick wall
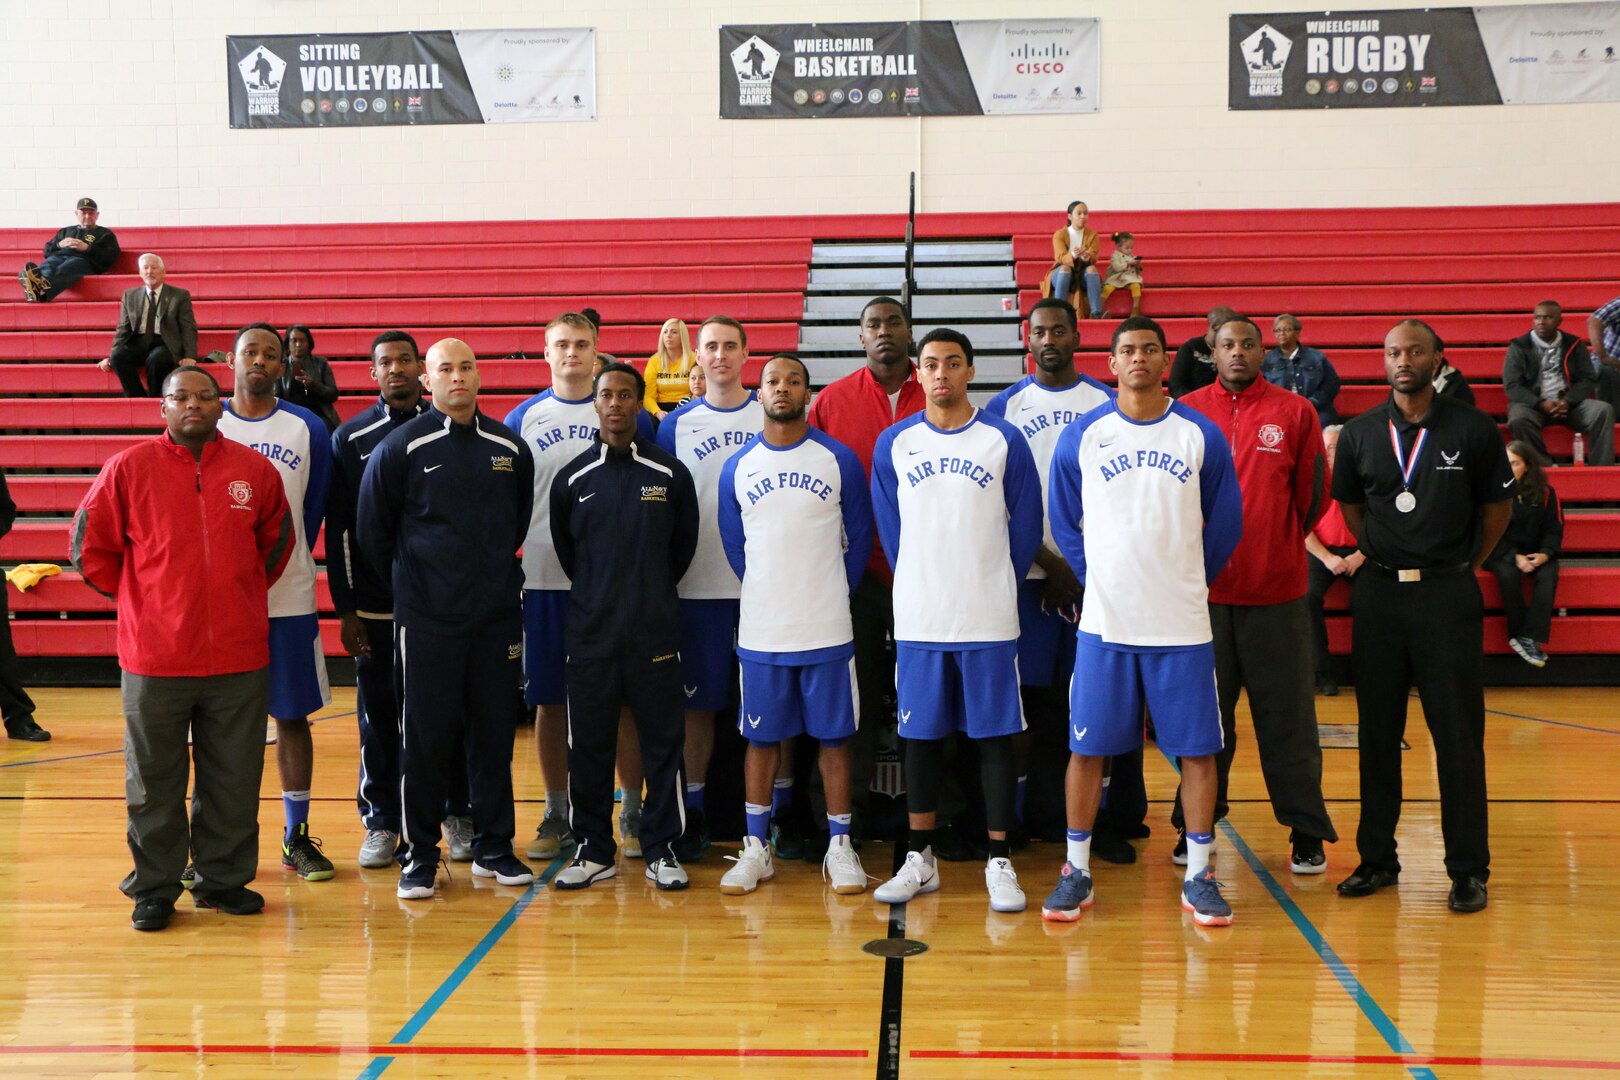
{"x": 125, "y": 100}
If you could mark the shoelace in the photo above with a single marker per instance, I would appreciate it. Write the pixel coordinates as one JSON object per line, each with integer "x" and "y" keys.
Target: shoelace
{"x": 858, "y": 863}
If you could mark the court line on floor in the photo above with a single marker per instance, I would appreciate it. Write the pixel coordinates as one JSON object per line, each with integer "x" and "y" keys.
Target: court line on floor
{"x": 120, "y": 749}
{"x": 894, "y": 985}
{"x": 459, "y": 975}
{"x": 423, "y": 1050}
{"x": 1554, "y": 723}
{"x": 1236, "y": 1057}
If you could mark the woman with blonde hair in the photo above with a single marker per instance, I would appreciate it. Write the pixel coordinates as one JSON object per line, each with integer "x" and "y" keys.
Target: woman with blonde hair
{"x": 668, "y": 367}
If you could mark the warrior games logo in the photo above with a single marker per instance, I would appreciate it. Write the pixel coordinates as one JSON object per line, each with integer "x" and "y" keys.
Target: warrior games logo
{"x": 755, "y": 64}
{"x": 1265, "y": 54}
{"x": 261, "y": 76}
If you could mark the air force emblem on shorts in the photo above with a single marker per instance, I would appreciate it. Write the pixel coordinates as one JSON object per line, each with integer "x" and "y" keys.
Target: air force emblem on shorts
{"x": 241, "y": 493}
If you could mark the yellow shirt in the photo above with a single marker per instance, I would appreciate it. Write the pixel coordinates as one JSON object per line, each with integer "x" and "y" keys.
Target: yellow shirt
{"x": 665, "y": 386}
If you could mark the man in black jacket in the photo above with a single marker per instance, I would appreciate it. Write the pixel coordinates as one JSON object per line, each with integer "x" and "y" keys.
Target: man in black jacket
{"x": 1550, "y": 379}
{"x": 445, "y": 503}
{"x": 624, "y": 519}
{"x": 75, "y": 251}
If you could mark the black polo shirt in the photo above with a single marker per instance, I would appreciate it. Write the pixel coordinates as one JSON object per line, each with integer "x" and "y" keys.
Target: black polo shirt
{"x": 1464, "y": 466}
{"x": 1193, "y": 369}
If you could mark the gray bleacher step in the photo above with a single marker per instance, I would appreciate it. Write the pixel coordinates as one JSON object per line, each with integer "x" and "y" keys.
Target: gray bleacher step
{"x": 890, "y": 278}
{"x": 895, "y": 253}
{"x": 847, "y": 309}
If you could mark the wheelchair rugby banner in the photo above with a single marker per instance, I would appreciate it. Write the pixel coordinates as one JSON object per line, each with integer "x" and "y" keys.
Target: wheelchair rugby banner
{"x": 934, "y": 68}
{"x": 1515, "y": 54}
{"x": 425, "y": 77}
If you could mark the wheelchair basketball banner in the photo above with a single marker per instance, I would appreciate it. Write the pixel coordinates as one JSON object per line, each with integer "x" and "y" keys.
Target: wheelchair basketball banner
{"x": 426, "y": 77}
{"x": 934, "y": 68}
{"x": 1515, "y": 55}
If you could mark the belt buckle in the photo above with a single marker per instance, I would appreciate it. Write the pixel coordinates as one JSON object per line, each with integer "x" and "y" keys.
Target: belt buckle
{"x": 1409, "y": 575}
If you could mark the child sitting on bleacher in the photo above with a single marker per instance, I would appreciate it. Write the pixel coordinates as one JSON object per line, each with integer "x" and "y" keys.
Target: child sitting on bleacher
{"x": 1124, "y": 271}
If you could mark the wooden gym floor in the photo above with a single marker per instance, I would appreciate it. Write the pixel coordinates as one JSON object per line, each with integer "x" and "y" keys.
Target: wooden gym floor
{"x": 340, "y": 979}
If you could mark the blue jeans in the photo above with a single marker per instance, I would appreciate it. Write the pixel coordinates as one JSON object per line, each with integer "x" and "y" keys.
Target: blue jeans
{"x": 63, "y": 272}
{"x": 1063, "y": 284}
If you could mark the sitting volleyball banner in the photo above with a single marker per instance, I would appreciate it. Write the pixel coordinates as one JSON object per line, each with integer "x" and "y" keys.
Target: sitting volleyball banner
{"x": 935, "y": 68}
{"x": 1514, "y": 55}
{"x": 422, "y": 77}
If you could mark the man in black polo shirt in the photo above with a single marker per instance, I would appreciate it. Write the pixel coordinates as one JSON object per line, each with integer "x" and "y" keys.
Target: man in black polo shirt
{"x": 1426, "y": 488}
{"x": 1195, "y": 360}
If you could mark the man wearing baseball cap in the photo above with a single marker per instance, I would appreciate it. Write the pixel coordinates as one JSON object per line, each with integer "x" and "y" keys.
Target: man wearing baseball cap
{"x": 78, "y": 250}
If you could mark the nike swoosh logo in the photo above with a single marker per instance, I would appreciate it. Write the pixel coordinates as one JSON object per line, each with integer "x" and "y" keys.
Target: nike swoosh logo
{"x": 753, "y": 474}
{"x": 753, "y": 721}
{"x": 365, "y": 455}
{"x": 691, "y": 691}
{"x": 592, "y": 495}
{"x": 1509, "y": 483}
{"x": 430, "y": 468}
{"x": 1079, "y": 732}
{"x": 1105, "y": 445}
{"x": 913, "y": 453}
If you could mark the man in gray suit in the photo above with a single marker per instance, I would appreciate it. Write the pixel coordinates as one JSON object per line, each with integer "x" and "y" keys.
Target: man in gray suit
{"x": 156, "y": 332}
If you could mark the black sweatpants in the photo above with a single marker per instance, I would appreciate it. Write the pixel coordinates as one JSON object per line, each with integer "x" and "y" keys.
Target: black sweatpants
{"x": 1431, "y": 634}
{"x": 1534, "y": 621}
{"x": 377, "y": 713}
{"x": 457, "y": 688}
{"x": 650, "y": 687}
{"x": 1263, "y": 648}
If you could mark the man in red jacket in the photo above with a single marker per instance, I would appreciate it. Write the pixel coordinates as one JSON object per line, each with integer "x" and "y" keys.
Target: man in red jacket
{"x": 1257, "y": 603}
{"x": 187, "y": 532}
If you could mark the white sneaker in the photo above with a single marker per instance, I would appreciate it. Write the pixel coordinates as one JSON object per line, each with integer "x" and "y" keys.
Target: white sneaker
{"x": 377, "y": 850}
{"x": 582, "y": 873}
{"x": 753, "y": 866}
{"x": 843, "y": 867}
{"x": 999, "y": 879}
{"x": 919, "y": 874}
{"x": 458, "y": 837}
{"x": 667, "y": 873}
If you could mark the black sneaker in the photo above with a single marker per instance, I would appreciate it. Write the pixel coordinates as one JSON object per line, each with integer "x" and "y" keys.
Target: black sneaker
{"x": 238, "y": 901}
{"x": 506, "y": 869}
{"x": 1327, "y": 687}
{"x": 303, "y": 854}
{"x": 152, "y": 913}
{"x": 695, "y": 840}
{"x": 1179, "y": 855}
{"x": 787, "y": 840}
{"x": 1308, "y": 857}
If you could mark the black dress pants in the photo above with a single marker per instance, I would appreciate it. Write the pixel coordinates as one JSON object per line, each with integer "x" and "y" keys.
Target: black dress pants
{"x": 649, "y": 685}
{"x": 1430, "y": 634}
{"x": 1320, "y": 580}
{"x": 143, "y": 353}
{"x": 1533, "y": 621}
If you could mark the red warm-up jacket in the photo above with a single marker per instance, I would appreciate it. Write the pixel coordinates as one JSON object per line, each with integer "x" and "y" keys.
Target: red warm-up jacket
{"x": 188, "y": 550}
{"x": 1282, "y": 471}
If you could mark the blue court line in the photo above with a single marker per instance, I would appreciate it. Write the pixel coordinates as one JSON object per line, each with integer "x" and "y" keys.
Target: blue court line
{"x": 120, "y": 750}
{"x": 1364, "y": 1000}
{"x": 1555, "y": 723}
{"x": 452, "y": 983}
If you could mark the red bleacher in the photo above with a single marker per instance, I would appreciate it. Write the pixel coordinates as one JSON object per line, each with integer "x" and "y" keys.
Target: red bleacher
{"x": 1346, "y": 273}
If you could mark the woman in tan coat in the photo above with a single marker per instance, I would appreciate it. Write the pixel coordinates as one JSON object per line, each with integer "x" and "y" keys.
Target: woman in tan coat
{"x": 1074, "y": 264}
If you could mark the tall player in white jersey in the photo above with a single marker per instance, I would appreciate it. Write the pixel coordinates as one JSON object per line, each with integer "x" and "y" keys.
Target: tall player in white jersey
{"x": 1040, "y": 406}
{"x": 559, "y": 423}
{"x": 957, "y": 500}
{"x": 796, "y": 521}
{"x": 297, "y": 443}
{"x": 703, "y": 434}
{"x": 1145, "y": 505}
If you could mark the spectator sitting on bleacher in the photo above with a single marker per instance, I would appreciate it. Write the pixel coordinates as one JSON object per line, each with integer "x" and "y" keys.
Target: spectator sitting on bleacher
{"x": 697, "y": 384}
{"x": 1603, "y": 327}
{"x": 307, "y": 379}
{"x": 669, "y": 369}
{"x": 1124, "y": 272}
{"x": 157, "y": 332}
{"x": 1335, "y": 555}
{"x": 74, "y": 252}
{"x": 596, "y": 321}
{"x": 1550, "y": 379}
{"x": 1302, "y": 369}
{"x": 1074, "y": 264}
{"x": 1195, "y": 367}
{"x": 1529, "y": 548}
{"x": 1448, "y": 381}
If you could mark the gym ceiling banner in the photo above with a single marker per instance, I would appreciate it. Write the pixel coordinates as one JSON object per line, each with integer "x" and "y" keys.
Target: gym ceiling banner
{"x": 425, "y": 77}
{"x": 934, "y": 68}
{"x": 1518, "y": 54}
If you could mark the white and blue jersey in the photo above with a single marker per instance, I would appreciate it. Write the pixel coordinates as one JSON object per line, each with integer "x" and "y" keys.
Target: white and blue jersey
{"x": 703, "y": 438}
{"x": 298, "y": 444}
{"x": 796, "y": 525}
{"x": 1146, "y": 512}
{"x": 557, "y": 431}
{"x": 959, "y": 515}
{"x": 1040, "y": 413}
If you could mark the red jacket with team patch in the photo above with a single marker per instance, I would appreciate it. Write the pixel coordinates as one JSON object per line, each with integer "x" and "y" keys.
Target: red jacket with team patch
{"x": 188, "y": 549}
{"x": 1276, "y": 444}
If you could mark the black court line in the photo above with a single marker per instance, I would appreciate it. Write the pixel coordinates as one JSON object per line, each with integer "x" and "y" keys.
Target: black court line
{"x": 894, "y": 984}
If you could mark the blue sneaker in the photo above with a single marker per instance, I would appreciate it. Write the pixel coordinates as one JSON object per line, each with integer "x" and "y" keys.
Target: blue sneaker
{"x": 1072, "y": 896}
{"x": 1202, "y": 897}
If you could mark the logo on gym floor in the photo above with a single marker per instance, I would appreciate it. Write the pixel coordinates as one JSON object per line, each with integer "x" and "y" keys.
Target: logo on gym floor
{"x": 755, "y": 64}
{"x": 241, "y": 491}
{"x": 262, "y": 71}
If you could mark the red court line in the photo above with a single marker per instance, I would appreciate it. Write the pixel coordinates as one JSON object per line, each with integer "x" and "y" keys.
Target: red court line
{"x": 392, "y": 1050}
{"x": 1266, "y": 1059}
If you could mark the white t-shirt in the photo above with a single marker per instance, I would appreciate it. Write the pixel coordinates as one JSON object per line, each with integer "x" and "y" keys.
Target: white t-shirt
{"x": 1040, "y": 414}
{"x": 703, "y": 438}
{"x": 1147, "y": 513}
{"x": 959, "y": 513}
{"x": 557, "y": 431}
{"x": 297, "y": 443}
